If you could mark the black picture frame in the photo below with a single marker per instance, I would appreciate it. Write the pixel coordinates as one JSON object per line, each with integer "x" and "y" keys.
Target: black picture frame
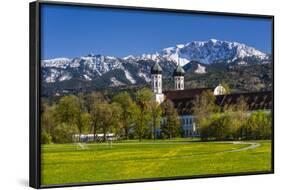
{"x": 34, "y": 98}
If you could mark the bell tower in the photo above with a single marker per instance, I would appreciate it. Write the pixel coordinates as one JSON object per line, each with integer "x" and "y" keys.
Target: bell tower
{"x": 156, "y": 82}
{"x": 179, "y": 78}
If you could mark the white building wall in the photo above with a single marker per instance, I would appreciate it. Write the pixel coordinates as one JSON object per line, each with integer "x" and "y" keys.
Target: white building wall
{"x": 187, "y": 124}
{"x": 159, "y": 98}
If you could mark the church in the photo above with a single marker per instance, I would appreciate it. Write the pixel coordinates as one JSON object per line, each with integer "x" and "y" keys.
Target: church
{"x": 182, "y": 98}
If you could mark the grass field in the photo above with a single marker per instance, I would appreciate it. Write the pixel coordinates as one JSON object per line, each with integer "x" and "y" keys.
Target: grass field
{"x": 72, "y": 163}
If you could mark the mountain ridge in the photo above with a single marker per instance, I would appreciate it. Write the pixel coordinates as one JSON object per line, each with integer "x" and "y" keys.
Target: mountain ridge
{"x": 136, "y": 69}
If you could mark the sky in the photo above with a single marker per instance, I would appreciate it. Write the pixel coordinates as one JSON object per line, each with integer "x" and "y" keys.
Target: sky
{"x": 73, "y": 31}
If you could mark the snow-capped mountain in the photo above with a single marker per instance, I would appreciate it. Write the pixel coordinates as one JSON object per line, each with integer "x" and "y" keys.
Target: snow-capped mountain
{"x": 211, "y": 51}
{"x": 136, "y": 69}
{"x": 86, "y": 67}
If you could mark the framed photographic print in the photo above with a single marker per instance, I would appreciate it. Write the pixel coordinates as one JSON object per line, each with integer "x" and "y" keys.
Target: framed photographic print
{"x": 130, "y": 94}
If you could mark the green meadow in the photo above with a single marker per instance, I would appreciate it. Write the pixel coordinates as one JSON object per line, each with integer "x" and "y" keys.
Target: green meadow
{"x": 73, "y": 163}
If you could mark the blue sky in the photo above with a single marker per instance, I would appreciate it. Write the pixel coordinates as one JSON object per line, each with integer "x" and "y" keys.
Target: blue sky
{"x": 69, "y": 31}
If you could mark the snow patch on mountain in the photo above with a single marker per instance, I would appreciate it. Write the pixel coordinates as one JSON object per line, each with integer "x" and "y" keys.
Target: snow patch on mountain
{"x": 75, "y": 63}
{"x": 153, "y": 57}
{"x": 242, "y": 63}
{"x": 66, "y": 76}
{"x": 129, "y": 57}
{"x": 129, "y": 76}
{"x": 200, "y": 69}
{"x": 144, "y": 76}
{"x": 173, "y": 54}
{"x": 87, "y": 77}
{"x": 115, "y": 82}
{"x": 53, "y": 75}
{"x": 57, "y": 63}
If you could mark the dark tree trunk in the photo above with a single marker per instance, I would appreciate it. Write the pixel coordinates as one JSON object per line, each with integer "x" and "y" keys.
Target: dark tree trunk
{"x": 126, "y": 133}
{"x": 170, "y": 135}
{"x": 95, "y": 132}
{"x": 104, "y": 135}
{"x": 152, "y": 131}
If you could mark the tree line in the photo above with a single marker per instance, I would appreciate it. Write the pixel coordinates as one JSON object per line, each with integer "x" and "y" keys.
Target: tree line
{"x": 230, "y": 122}
{"x": 128, "y": 116}
{"x": 138, "y": 116}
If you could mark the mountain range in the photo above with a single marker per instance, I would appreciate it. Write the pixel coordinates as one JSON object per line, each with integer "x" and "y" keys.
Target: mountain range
{"x": 198, "y": 58}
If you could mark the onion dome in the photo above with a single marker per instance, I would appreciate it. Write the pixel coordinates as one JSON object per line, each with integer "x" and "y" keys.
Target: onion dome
{"x": 179, "y": 71}
{"x": 156, "y": 69}
{"x": 219, "y": 90}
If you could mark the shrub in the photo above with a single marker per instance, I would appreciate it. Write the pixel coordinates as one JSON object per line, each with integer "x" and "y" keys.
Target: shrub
{"x": 205, "y": 129}
{"x": 258, "y": 126}
{"x": 63, "y": 133}
{"x": 45, "y": 138}
{"x": 221, "y": 126}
